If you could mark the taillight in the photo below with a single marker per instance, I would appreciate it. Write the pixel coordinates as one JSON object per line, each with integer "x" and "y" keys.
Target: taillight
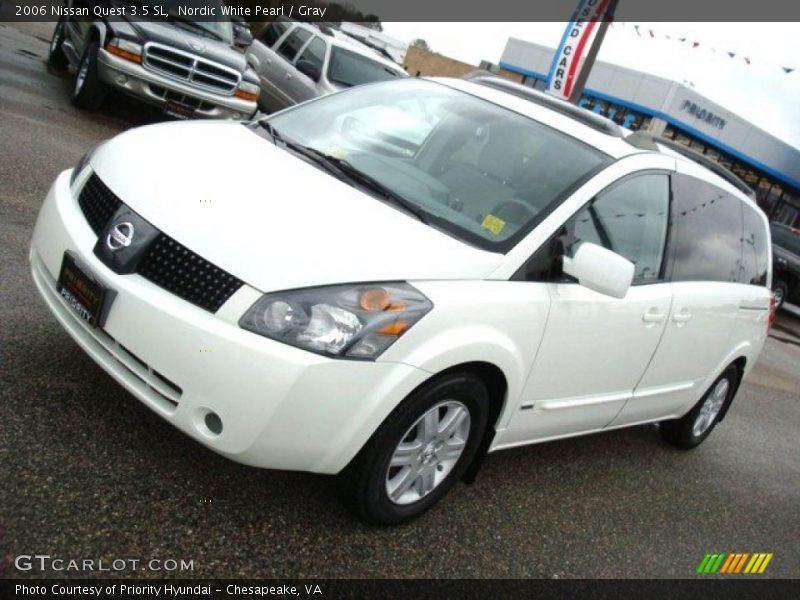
{"x": 773, "y": 309}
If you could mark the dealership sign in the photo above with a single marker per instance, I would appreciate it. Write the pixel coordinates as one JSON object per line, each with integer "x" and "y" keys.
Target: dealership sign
{"x": 574, "y": 46}
{"x": 703, "y": 114}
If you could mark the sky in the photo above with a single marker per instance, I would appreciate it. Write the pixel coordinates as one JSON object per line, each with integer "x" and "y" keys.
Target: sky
{"x": 760, "y": 92}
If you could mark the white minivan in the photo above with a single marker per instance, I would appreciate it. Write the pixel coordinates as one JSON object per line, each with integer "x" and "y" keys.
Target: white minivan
{"x": 389, "y": 299}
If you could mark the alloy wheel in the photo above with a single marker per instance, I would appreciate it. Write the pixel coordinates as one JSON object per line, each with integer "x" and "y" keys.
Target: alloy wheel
{"x": 56, "y": 40}
{"x": 428, "y": 451}
{"x": 711, "y": 407}
{"x": 83, "y": 71}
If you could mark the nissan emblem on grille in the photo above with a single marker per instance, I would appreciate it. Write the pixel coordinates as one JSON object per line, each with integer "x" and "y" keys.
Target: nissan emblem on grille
{"x": 120, "y": 236}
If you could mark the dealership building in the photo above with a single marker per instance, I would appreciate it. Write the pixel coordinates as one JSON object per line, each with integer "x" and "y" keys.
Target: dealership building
{"x": 642, "y": 101}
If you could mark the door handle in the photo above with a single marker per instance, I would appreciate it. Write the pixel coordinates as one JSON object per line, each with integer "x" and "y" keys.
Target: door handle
{"x": 268, "y": 60}
{"x": 288, "y": 76}
{"x": 684, "y": 316}
{"x": 653, "y": 316}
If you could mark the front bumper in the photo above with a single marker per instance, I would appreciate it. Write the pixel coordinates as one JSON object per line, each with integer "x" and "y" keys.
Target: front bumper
{"x": 281, "y": 407}
{"x": 138, "y": 81}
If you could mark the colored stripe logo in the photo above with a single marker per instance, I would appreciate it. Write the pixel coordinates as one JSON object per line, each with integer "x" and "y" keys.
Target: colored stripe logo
{"x": 734, "y": 562}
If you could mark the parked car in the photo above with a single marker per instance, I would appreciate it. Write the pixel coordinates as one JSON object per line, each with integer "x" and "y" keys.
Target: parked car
{"x": 187, "y": 67}
{"x": 299, "y": 61}
{"x": 526, "y": 273}
{"x": 785, "y": 264}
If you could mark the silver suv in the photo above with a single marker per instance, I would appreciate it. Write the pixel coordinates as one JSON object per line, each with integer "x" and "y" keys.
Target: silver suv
{"x": 299, "y": 61}
{"x": 188, "y": 68}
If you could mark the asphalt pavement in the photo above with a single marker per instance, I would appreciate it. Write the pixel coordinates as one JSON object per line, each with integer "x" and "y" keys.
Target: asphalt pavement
{"x": 86, "y": 471}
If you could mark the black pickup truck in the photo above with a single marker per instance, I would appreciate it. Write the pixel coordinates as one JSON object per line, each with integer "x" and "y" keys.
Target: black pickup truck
{"x": 785, "y": 264}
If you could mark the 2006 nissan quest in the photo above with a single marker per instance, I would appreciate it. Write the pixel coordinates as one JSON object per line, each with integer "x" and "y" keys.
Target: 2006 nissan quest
{"x": 418, "y": 272}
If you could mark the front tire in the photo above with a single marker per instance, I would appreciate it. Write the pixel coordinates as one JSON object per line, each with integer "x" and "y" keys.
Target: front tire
{"x": 419, "y": 451}
{"x": 689, "y": 431}
{"x": 56, "y": 56}
{"x": 89, "y": 91}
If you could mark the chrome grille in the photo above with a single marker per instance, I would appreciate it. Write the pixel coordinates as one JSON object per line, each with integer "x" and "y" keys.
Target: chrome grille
{"x": 193, "y": 69}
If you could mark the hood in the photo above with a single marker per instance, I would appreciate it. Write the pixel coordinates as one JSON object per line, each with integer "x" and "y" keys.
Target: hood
{"x": 177, "y": 37}
{"x": 269, "y": 217}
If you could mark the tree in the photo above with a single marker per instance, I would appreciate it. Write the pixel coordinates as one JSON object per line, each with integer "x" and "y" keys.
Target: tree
{"x": 421, "y": 44}
{"x": 373, "y": 22}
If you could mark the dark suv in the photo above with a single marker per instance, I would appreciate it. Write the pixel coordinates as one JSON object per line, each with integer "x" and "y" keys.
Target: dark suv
{"x": 785, "y": 264}
{"x": 187, "y": 67}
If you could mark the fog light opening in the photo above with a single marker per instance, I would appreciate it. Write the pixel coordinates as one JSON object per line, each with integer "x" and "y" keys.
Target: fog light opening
{"x": 213, "y": 423}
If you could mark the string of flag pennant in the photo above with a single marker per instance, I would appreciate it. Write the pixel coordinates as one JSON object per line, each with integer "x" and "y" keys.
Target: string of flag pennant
{"x": 646, "y": 32}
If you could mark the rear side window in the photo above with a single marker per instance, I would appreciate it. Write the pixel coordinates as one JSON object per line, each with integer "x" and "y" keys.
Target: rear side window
{"x": 708, "y": 232}
{"x": 274, "y": 32}
{"x": 755, "y": 253}
{"x": 315, "y": 53}
{"x": 349, "y": 69}
{"x": 787, "y": 239}
{"x": 291, "y": 46}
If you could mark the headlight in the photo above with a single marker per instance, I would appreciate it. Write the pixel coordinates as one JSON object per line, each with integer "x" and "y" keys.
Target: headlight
{"x": 83, "y": 163}
{"x": 126, "y": 49}
{"x": 247, "y": 91}
{"x": 347, "y": 321}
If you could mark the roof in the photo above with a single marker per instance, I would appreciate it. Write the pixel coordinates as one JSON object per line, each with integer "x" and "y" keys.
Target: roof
{"x": 585, "y": 130}
{"x": 600, "y": 132}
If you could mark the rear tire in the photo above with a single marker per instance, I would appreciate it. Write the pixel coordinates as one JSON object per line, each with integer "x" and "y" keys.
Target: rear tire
{"x": 690, "y": 430}
{"x": 780, "y": 290}
{"x": 419, "y": 452}
{"x": 56, "y": 57}
{"x": 89, "y": 91}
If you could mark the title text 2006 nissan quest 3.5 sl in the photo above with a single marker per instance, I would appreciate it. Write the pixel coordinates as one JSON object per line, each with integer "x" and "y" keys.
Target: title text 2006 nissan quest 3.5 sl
{"x": 411, "y": 274}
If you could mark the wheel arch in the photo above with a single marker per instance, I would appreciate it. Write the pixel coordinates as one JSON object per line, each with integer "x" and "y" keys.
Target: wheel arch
{"x": 98, "y": 32}
{"x": 497, "y": 386}
{"x": 741, "y": 364}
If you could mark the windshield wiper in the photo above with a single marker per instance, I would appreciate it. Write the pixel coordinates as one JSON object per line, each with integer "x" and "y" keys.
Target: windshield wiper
{"x": 376, "y": 186}
{"x": 345, "y": 171}
{"x": 271, "y": 131}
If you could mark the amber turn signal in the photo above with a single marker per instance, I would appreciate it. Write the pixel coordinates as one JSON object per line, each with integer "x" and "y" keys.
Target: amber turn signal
{"x": 137, "y": 58}
{"x": 239, "y": 93}
{"x": 395, "y": 328}
{"x": 374, "y": 300}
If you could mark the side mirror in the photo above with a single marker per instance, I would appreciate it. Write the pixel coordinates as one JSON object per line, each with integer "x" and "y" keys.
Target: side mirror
{"x": 306, "y": 67}
{"x": 242, "y": 37}
{"x": 600, "y": 269}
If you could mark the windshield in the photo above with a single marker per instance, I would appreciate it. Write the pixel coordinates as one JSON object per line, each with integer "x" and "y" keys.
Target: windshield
{"x": 351, "y": 69}
{"x": 480, "y": 172}
{"x": 220, "y": 30}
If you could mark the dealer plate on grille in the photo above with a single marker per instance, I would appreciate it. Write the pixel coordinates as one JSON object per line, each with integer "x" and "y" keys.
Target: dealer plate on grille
{"x": 178, "y": 110}
{"x": 81, "y": 290}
